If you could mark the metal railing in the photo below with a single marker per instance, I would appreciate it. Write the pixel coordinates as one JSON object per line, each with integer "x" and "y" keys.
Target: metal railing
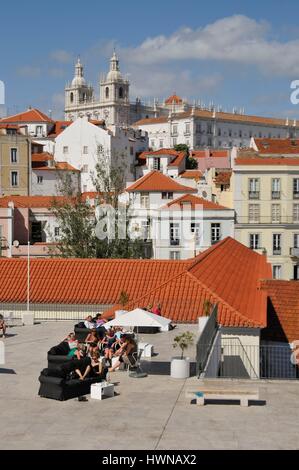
{"x": 205, "y": 341}
{"x": 264, "y": 219}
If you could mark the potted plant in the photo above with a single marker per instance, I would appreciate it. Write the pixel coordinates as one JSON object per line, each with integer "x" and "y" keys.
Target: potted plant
{"x": 123, "y": 300}
{"x": 207, "y": 309}
{"x": 180, "y": 365}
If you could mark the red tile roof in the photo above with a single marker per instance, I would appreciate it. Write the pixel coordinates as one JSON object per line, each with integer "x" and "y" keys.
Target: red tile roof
{"x": 223, "y": 177}
{"x": 83, "y": 281}
{"x": 256, "y": 160}
{"x": 192, "y": 174}
{"x": 30, "y": 201}
{"x": 179, "y": 156}
{"x": 228, "y": 274}
{"x": 31, "y": 115}
{"x": 173, "y": 99}
{"x": 156, "y": 181}
{"x": 277, "y": 146}
{"x": 59, "y": 127}
{"x": 220, "y": 116}
{"x": 195, "y": 202}
{"x": 283, "y": 311}
{"x": 42, "y": 157}
{"x": 209, "y": 153}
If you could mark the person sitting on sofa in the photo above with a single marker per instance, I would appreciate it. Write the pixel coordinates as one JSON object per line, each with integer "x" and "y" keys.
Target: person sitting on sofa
{"x": 107, "y": 344}
{"x": 92, "y": 340}
{"x": 125, "y": 352}
{"x": 98, "y": 320}
{"x": 2, "y": 325}
{"x": 89, "y": 323}
{"x": 95, "y": 368}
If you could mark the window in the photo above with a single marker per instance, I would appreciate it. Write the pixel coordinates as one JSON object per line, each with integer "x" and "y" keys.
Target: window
{"x": 36, "y": 232}
{"x": 39, "y": 130}
{"x": 56, "y": 231}
{"x": 13, "y": 155}
{"x": 276, "y": 269}
{"x": 195, "y": 229}
{"x": 296, "y": 272}
{"x": 174, "y": 142}
{"x": 219, "y": 132}
{"x": 144, "y": 200}
{"x": 276, "y": 188}
{"x": 85, "y": 150}
{"x": 156, "y": 163}
{"x": 174, "y": 233}
{"x": 145, "y": 229}
{"x": 240, "y": 133}
{"x": 84, "y": 188}
{"x": 100, "y": 148}
{"x": 72, "y": 97}
{"x": 152, "y": 143}
{"x": 209, "y": 128}
{"x": 65, "y": 149}
{"x": 175, "y": 129}
{"x": 187, "y": 128}
{"x": 198, "y": 128}
{"x": 167, "y": 195}
{"x": 275, "y": 213}
{"x": 254, "y": 188}
{"x": 161, "y": 143}
{"x": 296, "y": 213}
{"x": 254, "y": 241}
{"x": 254, "y": 213}
{"x": 14, "y": 178}
{"x": 131, "y": 150}
{"x": 296, "y": 240}
{"x": 229, "y": 132}
{"x": 276, "y": 244}
{"x": 85, "y": 169}
{"x": 215, "y": 233}
{"x": 121, "y": 92}
{"x": 107, "y": 92}
{"x": 210, "y": 142}
{"x": 174, "y": 255}
{"x": 40, "y": 179}
{"x": 296, "y": 188}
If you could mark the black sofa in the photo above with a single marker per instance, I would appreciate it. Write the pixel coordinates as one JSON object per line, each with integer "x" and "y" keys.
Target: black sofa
{"x": 58, "y": 355}
{"x": 59, "y": 383}
{"x": 81, "y": 332}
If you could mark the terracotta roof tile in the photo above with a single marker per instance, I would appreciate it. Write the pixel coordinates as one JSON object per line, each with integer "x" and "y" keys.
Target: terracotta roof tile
{"x": 208, "y": 153}
{"x": 277, "y": 146}
{"x": 30, "y": 201}
{"x": 223, "y": 177}
{"x": 194, "y": 201}
{"x": 42, "y": 157}
{"x": 283, "y": 310}
{"x": 174, "y": 99}
{"x": 191, "y": 174}
{"x": 156, "y": 181}
{"x": 256, "y": 160}
{"x": 31, "y": 115}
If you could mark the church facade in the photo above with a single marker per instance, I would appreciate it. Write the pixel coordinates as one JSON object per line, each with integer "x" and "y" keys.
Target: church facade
{"x": 113, "y": 104}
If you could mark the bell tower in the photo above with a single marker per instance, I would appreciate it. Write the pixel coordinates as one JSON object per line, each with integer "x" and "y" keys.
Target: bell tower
{"x": 114, "y": 95}
{"x": 78, "y": 92}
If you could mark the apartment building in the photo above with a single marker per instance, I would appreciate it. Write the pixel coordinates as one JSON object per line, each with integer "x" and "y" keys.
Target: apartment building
{"x": 15, "y": 161}
{"x": 265, "y": 187}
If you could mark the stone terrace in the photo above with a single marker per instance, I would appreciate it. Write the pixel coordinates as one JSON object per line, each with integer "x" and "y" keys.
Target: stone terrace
{"x": 149, "y": 413}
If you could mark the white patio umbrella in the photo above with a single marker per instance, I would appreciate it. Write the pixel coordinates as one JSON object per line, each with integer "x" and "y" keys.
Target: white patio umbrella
{"x": 140, "y": 318}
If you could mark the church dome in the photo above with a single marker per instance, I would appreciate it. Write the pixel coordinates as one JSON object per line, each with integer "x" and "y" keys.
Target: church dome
{"x": 114, "y": 73}
{"x": 174, "y": 99}
{"x": 78, "y": 79}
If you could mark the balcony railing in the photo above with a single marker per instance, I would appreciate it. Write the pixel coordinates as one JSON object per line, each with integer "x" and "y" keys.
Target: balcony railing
{"x": 296, "y": 195}
{"x": 174, "y": 242}
{"x": 253, "y": 195}
{"x": 294, "y": 252}
{"x": 267, "y": 220}
{"x": 276, "y": 251}
{"x": 275, "y": 194}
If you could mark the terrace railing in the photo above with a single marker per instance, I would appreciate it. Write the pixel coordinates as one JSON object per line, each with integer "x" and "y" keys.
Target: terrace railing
{"x": 205, "y": 341}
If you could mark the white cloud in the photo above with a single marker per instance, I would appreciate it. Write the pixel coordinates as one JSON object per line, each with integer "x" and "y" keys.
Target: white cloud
{"x": 236, "y": 39}
{"x": 56, "y": 72}
{"x": 61, "y": 56}
{"x": 29, "y": 71}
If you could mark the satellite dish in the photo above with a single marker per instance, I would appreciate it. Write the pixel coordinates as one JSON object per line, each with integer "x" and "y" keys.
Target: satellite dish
{"x": 16, "y": 243}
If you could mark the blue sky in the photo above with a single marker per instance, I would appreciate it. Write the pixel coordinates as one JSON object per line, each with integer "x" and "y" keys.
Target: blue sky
{"x": 242, "y": 54}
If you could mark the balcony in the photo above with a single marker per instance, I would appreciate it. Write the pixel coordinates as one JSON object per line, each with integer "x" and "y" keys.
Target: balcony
{"x": 266, "y": 220}
{"x": 174, "y": 242}
{"x": 187, "y": 133}
{"x": 253, "y": 195}
{"x": 296, "y": 195}
{"x": 294, "y": 252}
{"x": 275, "y": 194}
{"x": 276, "y": 251}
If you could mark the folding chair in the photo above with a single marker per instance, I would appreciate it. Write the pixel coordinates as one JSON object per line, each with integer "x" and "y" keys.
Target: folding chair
{"x": 134, "y": 367}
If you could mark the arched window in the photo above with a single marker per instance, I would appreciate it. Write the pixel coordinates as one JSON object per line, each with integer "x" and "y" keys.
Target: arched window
{"x": 120, "y": 92}
{"x": 72, "y": 97}
{"x": 107, "y": 92}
